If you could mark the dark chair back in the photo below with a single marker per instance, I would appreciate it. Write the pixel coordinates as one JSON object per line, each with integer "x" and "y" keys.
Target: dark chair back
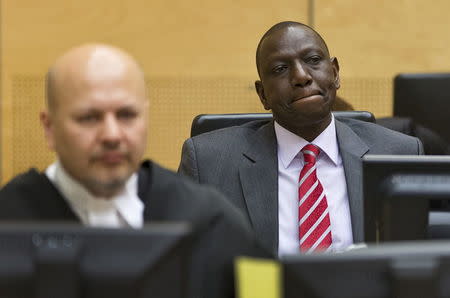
{"x": 208, "y": 122}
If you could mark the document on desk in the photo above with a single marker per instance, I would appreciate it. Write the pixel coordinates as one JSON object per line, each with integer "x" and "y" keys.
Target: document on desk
{"x": 258, "y": 278}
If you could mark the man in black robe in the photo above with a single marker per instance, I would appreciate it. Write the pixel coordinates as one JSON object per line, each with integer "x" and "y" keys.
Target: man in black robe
{"x": 96, "y": 121}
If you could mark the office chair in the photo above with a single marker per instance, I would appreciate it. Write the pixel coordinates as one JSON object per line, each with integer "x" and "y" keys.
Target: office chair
{"x": 208, "y": 122}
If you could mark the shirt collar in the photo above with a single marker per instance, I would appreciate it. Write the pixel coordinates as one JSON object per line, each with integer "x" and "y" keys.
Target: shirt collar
{"x": 89, "y": 207}
{"x": 290, "y": 144}
{"x": 129, "y": 204}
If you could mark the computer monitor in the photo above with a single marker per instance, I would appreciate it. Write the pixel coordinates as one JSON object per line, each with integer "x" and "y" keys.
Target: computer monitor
{"x": 46, "y": 261}
{"x": 397, "y": 193}
{"x": 424, "y": 97}
{"x": 402, "y": 270}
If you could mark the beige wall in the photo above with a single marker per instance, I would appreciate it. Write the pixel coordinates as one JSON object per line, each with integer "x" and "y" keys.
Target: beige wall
{"x": 199, "y": 57}
{"x": 375, "y": 40}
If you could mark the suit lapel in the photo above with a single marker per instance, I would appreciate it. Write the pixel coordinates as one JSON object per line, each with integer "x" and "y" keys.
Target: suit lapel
{"x": 352, "y": 149}
{"x": 259, "y": 179}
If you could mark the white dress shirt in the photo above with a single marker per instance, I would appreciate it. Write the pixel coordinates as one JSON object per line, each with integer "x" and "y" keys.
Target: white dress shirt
{"x": 330, "y": 172}
{"x": 123, "y": 210}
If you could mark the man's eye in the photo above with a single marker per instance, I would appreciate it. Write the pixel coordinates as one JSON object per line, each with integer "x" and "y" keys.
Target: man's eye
{"x": 314, "y": 59}
{"x": 127, "y": 115}
{"x": 88, "y": 118}
{"x": 279, "y": 69}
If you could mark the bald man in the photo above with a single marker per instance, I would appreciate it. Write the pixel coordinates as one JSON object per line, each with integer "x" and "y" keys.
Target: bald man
{"x": 297, "y": 178}
{"x": 96, "y": 121}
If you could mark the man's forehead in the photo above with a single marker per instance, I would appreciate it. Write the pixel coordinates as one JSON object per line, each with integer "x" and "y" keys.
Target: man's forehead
{"x": 125, "y": 90}
{"x": 97, "y": 68}
{"x": 94, "y": 61}
{"x": 77, "y": 76}
{"x": 291, "y": 37}
{"x": 107, "y": 101}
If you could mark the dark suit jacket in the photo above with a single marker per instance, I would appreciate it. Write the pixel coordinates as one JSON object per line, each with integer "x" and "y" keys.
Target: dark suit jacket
{"x": 221, "y": 232}
{"x": 242, "y": 162}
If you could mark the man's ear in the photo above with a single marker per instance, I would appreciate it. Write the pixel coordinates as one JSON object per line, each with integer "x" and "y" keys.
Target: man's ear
{"x": 260, "y": 90}
{"x": 335, "y": 65}
{"x": 47, "y": 124}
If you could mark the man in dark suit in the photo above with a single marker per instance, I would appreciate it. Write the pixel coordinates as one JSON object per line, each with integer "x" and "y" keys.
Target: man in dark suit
{"x": 259, "y": 165}
{"x": 96, "y": 122}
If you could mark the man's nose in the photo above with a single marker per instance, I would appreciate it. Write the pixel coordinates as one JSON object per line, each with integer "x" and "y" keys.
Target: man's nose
{"x": 111, "y": 130}
{"x": 300, "y": 76}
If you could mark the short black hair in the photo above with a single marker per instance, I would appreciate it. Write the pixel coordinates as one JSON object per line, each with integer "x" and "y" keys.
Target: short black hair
{"x": 280, "y": 26}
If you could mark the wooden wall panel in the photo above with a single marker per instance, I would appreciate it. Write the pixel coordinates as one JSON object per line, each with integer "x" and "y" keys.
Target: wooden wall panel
{"x": 375, "y": 40}
{"x": 198, "y": 57}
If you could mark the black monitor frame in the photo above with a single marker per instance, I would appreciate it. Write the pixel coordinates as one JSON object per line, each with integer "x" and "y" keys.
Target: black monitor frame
{"x": 405, "y": 270}
{"x": 71, "y": 261}
{"x": 397, "y": 191}
{"x": 424, "y": 98}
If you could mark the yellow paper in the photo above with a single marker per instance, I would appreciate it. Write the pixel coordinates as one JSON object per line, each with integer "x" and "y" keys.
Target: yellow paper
{"x": 257, "y": 278}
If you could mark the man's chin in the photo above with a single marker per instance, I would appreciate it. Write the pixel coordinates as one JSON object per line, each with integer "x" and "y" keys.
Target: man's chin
{"x": 106, "y": 189}
{"x": 107, "y": 185}
{"x": 320, "y": 117}
{"x": 310, "y": 118}
{"x": 111, "y": 172}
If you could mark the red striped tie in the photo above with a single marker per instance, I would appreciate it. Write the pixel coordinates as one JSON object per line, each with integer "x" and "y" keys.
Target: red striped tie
{"x": 314, "y": 221}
